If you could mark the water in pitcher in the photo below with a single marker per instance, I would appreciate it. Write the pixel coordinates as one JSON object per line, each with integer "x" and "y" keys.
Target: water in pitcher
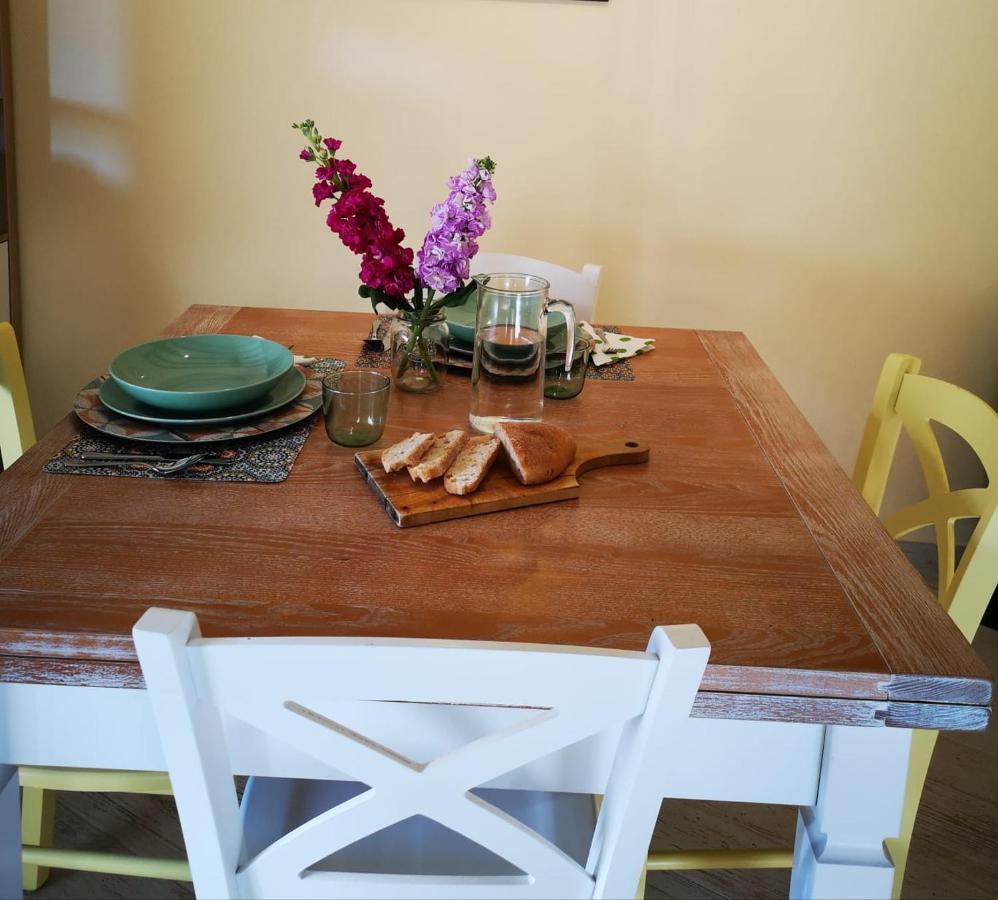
{"x": 507, "y": 381}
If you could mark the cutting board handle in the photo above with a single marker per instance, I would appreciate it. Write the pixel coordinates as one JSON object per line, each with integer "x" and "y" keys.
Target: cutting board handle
{"x": 607, "y": 452}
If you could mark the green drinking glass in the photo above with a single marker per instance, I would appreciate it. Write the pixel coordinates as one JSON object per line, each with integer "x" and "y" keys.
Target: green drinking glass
{"x": 563, "y": 385}
{"x": 354, "y": 405}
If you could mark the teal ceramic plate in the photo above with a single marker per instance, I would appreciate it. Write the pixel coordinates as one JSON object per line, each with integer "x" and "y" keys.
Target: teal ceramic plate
{"x": 201, "y": 372}
{"x": 90, "y": 410}
{"x": 461, "y": 320}
{"x": 461, "y": 323}
{"x": 288, "y": 387}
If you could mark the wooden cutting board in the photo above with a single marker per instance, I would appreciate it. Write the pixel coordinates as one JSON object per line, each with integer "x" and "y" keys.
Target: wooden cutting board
{"x": 408, "y": 503}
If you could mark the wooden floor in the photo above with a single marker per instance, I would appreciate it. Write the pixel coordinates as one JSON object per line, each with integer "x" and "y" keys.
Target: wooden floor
{"x": 954, "y": 852}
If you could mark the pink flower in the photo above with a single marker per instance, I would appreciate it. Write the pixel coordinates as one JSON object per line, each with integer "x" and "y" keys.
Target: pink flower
{"x": 321, "y": 190}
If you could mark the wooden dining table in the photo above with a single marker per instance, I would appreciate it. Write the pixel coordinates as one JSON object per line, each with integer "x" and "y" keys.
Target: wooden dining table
{"x": 826, "y": 646}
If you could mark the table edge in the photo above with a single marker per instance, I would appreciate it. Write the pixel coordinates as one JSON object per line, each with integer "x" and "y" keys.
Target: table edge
{"x": 902, "y": 604}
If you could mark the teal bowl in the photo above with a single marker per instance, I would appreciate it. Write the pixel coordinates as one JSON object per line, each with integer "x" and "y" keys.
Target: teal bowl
{"x": 201, "y": 371}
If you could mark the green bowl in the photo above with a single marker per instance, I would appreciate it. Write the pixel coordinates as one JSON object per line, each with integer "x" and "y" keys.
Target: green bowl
{"x": 201, "y": 371}
{"x": 461, "y": 322}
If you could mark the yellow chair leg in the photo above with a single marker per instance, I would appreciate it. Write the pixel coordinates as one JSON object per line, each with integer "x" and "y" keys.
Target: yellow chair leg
{"x": 640, "y": 895}
{"x": 757, "y": 858}
{"x": 37, "y": 824}
{"x": 922, "y": 745}
{"x": 110, "y": 863}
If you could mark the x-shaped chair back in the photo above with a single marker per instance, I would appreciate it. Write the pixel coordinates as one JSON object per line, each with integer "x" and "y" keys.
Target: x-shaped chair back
{"x": 295, "y": 690}
{"x": 906, "y": 400}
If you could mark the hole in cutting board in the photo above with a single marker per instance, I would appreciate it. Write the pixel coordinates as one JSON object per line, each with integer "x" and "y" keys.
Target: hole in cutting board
{"x": 631, "y": 444}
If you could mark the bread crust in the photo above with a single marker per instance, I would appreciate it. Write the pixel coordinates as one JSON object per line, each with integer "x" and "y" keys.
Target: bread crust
{"x": 407, "y": 452}
{"x": 537, "y": 452}
{"x": 476, "y": 458}
{"x": 439, "y": 457}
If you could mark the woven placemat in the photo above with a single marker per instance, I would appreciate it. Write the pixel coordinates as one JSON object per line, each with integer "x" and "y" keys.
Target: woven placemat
{"x": 616, "y": 371}
{"x": 264, "y": 460}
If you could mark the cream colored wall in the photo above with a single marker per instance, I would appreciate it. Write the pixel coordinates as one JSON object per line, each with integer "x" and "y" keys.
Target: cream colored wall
{"x": 821, "y": 175}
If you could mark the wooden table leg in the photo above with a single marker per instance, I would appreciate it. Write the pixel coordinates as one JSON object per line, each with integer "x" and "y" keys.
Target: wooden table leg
{"x": 10, "y": 835}
{"x": 839, "y": 850}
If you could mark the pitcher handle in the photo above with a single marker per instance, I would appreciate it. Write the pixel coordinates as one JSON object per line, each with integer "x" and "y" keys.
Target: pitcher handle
{"x": 566, "y": 309}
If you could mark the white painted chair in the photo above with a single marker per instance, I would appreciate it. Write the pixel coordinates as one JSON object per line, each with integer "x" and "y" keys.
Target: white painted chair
{"x": 581, "y": 289}
{"x": 413, "y": 828}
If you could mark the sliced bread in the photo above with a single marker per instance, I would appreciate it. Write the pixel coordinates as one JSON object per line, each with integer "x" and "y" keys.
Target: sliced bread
{"x": 407, "y": 452}
{"x": 471, "y": 465}
{"x": 438, "y": 458}
{"x": 537, "y": 452}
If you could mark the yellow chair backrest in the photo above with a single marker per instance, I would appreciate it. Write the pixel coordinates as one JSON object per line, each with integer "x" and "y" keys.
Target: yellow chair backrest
{"x": 905, "y": 399}
{"x": 17, "y": 432}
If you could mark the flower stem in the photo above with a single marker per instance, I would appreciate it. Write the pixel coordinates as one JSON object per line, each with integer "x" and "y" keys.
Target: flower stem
{"x": 416, "y": 339}
{"x": 428, "y": 359}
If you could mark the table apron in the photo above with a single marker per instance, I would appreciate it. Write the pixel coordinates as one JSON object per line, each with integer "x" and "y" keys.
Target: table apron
{"x": 113, "y": 728}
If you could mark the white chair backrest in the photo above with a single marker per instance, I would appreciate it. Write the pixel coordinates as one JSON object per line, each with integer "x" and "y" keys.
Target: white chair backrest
{"x": 305, "y": 690}
{"x": 578, "y": 288}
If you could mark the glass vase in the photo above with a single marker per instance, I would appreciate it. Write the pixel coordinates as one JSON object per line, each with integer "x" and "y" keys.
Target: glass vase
{"x": 420, "y": 347}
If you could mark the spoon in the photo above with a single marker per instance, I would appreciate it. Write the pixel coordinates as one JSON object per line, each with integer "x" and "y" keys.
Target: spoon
{"x": 372, "y": 341}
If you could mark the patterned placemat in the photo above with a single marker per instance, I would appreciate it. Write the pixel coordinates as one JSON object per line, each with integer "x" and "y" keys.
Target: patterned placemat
{"x": 616, "y": 371}
{"x": 376, "y": 359}
{"x": 621, "y": 370}
{"x": 264, "y": 460}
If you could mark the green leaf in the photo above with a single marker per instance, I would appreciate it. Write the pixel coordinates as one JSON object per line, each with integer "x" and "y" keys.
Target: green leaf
{"x": 458, "y": 297}
{"x": 378, "y": 296}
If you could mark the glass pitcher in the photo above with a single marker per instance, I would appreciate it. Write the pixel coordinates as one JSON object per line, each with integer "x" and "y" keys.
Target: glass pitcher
{"x": 507, "y": 375}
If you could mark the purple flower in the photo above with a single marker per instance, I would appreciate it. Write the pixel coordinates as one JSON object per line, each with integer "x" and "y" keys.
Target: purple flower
{"x": 443, "y": 263}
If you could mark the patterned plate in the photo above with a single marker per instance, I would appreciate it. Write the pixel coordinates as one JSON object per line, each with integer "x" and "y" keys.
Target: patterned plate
{"x": 91, "y": 411}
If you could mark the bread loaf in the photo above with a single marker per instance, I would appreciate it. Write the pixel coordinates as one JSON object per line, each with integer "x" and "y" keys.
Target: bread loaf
{"x": 471, "y": 465}
{"x": 438, "y": 458}
{"x": 537, "y": 452}
{"x": 407, "y": 452}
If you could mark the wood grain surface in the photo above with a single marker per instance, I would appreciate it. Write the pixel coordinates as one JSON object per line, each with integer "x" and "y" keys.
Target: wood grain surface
{"x": 740, "y": 521}
{"x": 411, "y": 503}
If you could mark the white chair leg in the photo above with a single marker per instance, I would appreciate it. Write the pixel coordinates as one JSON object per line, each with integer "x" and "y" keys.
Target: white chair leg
{"x": 839, "y": 849}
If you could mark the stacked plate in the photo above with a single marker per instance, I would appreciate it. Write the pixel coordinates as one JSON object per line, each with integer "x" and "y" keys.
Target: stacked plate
{"x": 203, "y": 382}
{"x": 461, "y": 326}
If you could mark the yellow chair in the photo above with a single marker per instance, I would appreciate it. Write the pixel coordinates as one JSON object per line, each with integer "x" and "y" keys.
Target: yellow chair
{"x": 40, "y": 785}
{"x": 17, "y": 434}
{"x": 905, "y": 399}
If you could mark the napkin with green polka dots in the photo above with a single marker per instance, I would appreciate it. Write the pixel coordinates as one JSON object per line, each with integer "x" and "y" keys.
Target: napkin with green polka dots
{"x": 611, "y": 347}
